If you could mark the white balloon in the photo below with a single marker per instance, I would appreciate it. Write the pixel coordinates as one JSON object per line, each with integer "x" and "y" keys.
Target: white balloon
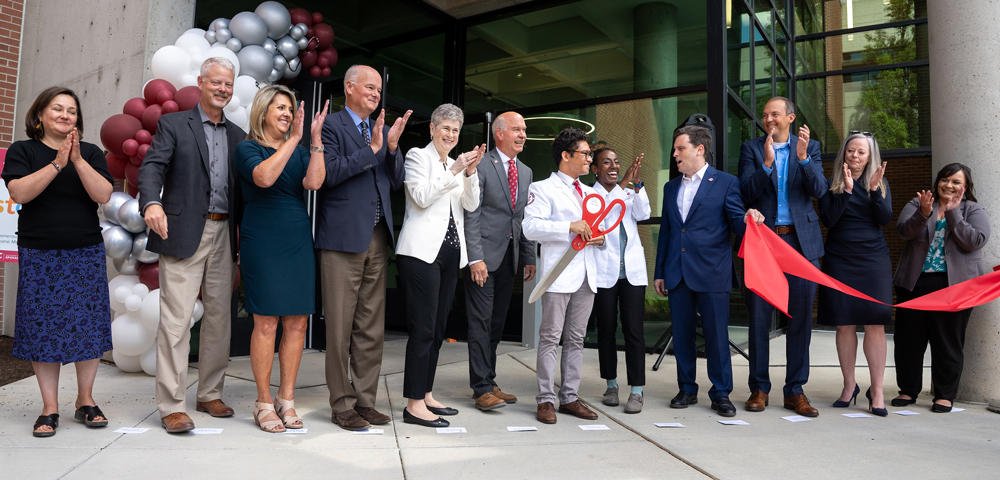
{"x": 121, "y": 293}
{"x": 130, "y": 336}
{"x": 141, "y": 290}
{"x": 148, "y": 361}
{"x": 245, "y": 87}
{"x": 199, "y": 310}
{"x": 127, "y": 363}
{"x": 234, "y": 103}
{"x": 189, "y": 80}
{"x": 239, "y": 117}
{"x": 193, "y": 321}
{"x": 121, "y": 281}
{"x": 193, "y": 42}
{"x": 197, "y": 58}
{"x": 196, "y": 31}
{"x": 150, "y": 311}
{"x": 222, "y": 51}
{"x": 133, "y": 303}
{"x": 170, "y": 63}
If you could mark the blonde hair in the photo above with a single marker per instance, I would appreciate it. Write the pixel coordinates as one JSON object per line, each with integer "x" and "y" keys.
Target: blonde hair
{"x": 874, "y": 162}
{"x": 261, "y": 102}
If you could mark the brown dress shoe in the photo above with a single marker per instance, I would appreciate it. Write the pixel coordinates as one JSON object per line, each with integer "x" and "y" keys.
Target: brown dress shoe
{"x": 373, "y": 416}
{"x": 350, "y": 420}
{"x": 546, "y": 413}
{"x": 757, "y": 401}
{"x": 214, "y": 408}
{"x": 800, "y": 404}
{"x": 178, "y": 422}
{"x": 506, "y": 397}
{"x": 489, "y": 401}
{"x": 578, "y": 409}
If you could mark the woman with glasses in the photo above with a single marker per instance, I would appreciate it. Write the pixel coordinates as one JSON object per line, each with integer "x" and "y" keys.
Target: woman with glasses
{"x": 855, "y": 208}
{"x": 945, "y": 230}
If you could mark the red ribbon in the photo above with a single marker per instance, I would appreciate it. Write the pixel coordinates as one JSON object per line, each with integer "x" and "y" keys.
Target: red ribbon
{"x": 767, "y": 257}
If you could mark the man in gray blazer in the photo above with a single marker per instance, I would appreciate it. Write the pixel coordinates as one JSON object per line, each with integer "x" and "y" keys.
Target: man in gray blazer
{"x": 495, "y": 243}
{"x": 193, "y": 228}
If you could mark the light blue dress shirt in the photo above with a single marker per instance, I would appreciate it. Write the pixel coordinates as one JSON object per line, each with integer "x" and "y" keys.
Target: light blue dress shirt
{"x": 781, "y": 155}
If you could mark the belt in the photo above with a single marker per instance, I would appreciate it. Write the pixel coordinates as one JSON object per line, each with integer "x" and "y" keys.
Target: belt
{"x": 784, "y": 229}
{"x": 217, "y": 216}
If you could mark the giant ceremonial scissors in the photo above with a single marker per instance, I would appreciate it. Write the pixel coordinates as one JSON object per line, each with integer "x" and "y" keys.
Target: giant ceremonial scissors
{"x": 594, "y": 212}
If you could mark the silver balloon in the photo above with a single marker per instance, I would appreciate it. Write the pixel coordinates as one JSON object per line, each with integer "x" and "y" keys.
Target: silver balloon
{"x": 302, "y": 43}
{"x": 139, "y": 249}
{"x": 270, "y": 46}
{"x": 287, "y": 47}
{"x": 293, "y": 69}
{"x": 210, "y": 36}
{"x": 234, "y": 44}
{"x": 255, "y": 62}
{"x": 276, "y": 16}
{"x": 303, "y": 27}
{"x": 297, "y": 32}
{"x": 249, "y": 28}
{"x": 129, "y": 218}
{"x": 110, "y": 209}
{"x": 275, "y": 75}
{"x": 106, "y": 225}
{"x": 279, "y": 63}
{"x": 219, "y": 23}
{"x": 223, "y": 35}
{"x": 127, "y": 265}
{"x": 117, "y": 242}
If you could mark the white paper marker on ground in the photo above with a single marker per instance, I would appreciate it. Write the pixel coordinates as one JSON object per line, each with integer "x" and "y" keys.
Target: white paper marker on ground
{"x": 452, "y": 430}
{"x": 206, "y": 431}
{"x": 733, "y": 422}
{"x": 296, "y": 430}
{"x": 905, "y": 412}
{"x": 856, "y": 415}
{"x": 796, "y": 418}
{"x": 131, "y": 430}
{"x": 953, "y": 410}
{"x": 594, "y": 427}
{"x": 669, "y": 425}
{"x": 522, "y": 429}
{"x": 370, "y": 431}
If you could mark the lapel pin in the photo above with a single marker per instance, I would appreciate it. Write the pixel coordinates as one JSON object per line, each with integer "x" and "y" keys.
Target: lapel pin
{"x": 711, "y": 179}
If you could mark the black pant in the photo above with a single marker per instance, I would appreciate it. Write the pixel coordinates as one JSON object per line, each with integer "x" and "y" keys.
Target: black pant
{"x": 631, "y": 300}
{"x": 944, "y": 330}
{"x": 487, "y": 310}
{"x": 429, "y": 289}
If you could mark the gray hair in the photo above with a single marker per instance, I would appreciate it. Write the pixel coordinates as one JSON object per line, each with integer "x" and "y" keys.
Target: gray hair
{"x": 447, "y": 111}
{"x": 351, "y": 75}
{"x": 789, "y": 105}
{"x": 874, "y": 162}
{"x": 499, "y": 124}
{"x": 220, "y": 61}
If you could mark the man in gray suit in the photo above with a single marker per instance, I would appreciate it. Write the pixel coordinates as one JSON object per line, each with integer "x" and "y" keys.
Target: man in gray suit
{"x": 494, "y": 241}
{"x": 193, "y": 225}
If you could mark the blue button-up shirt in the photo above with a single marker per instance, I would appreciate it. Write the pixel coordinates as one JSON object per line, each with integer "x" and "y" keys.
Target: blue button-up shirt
{"x": 361, "y": 128}
{"x": 781, "y": 155}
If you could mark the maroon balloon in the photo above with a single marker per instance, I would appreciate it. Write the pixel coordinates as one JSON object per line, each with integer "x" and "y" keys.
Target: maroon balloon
{"x": 116, "y": 130}
{"x": 317, "y": 17}
{"x": 301, "y": 15}
{"x": 135, "y": 107}
{"x": 309, "y": 59}
{"x": 149, "y": 275}
{"x": 132, "y": 173}
{"x": 315, "y": 71}
{"x": 142, "y": 152}
{"x": 153, "y": 89}
{"x": 322, "y": 61}
{"x": 326, "y": 72}
{"x": 312, "y": 44}
{"x": 310, "y": 33}
{"x": 187, "y": 98}
{"x": 324, "y": 34}
{"x": 135, "y": 159}
{"x": 144, "y": 137}
{"x": 170, "y": 106}
{"x": 116, "y": 165}
{"x": 164, "y": 96}
{"x": 151, "y": 116}
{"x": 130, "y": 146}
{"x": 332, "y": 55}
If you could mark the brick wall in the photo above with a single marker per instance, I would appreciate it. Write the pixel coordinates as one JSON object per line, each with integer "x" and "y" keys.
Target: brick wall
{"x": 11, "y": 15}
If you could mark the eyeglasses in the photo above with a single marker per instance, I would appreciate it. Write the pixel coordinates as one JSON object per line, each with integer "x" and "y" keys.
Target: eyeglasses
{"x": 586, "y": 153}
{"x": 857, "y": 132}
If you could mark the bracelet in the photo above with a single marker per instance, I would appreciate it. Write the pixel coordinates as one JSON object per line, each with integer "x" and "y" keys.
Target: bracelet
{"x": 316, "y": 149}
{"x": 58, "y": 170}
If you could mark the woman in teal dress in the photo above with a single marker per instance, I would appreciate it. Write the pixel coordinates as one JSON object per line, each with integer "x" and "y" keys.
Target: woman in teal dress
{"x": 276, "y": 244}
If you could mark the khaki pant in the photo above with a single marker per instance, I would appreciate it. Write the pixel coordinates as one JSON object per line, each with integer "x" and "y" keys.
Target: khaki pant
{"x": 565, "y": 316}
{"x": 210, "y": 270}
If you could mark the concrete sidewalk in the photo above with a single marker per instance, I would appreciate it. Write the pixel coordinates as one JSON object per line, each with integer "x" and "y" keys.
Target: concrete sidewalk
{"x": 956, "y": 445}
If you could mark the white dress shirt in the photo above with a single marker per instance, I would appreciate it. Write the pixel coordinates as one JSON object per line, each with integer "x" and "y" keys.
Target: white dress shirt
{"x": 688, "y": 189}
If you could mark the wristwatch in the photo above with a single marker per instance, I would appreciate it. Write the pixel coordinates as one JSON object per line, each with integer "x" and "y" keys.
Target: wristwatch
{"x": 637, "y": 185}
{"x": 316, "y": 149}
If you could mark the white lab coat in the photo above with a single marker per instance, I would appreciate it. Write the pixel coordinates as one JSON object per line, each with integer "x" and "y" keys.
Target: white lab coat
{"x": 636, "y": 210}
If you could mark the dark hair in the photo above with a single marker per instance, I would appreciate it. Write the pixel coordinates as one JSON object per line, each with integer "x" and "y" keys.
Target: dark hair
{"x": 33, "y": 126}
{"x": 567, "y": 141}
{"x": 951, "y": 169}
{"x": 789, "y": 106}
{"x": 597, "y": 149}
{"x": 697, "y": 136}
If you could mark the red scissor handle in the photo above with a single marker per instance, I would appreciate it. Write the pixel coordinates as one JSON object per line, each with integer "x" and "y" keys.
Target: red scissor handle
{"x": 594, "y": 212}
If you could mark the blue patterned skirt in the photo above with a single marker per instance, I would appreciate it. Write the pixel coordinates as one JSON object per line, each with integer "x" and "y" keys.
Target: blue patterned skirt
{"x": 63, "y": 311}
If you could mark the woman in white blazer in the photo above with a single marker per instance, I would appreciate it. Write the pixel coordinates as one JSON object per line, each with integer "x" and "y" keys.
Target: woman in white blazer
{"x": 430, "y": 252}
{"x": 621, "y": 278}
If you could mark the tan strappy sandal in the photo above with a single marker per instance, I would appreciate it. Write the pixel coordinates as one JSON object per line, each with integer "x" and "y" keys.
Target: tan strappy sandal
{"x": 260, "y": 410}
{"x": 290, "y": 421}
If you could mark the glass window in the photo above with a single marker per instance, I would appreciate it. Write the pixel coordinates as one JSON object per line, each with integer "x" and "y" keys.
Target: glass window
{"x": 877, "y": 47}
{"x": 416, "y": 70}
{"x": 815, "y": 16}
{"x": 738, "y": 30}
{"x": 762, "y": 10}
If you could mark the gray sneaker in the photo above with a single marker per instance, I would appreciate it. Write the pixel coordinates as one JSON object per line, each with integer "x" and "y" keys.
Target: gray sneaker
{"x": 634, "y": 403}
{"x": 611, "y": 397}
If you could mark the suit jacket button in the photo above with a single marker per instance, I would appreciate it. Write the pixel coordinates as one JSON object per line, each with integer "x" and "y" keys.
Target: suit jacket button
{"x": 373, "y": 203}
{"x": 684, "y": 229}
{"x": 684, "y": 249}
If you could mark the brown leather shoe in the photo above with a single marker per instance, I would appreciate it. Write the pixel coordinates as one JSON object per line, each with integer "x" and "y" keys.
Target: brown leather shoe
{"x": 800, "y": 404}
{"x": 489, "y": 401}
{"x": 506, "y": 397}
{"x": 178, "y": 422}
{"x": 373, "y": 416}
{"x": 214, "y": 408}
{"x": 350, "y": 420}
{"x": 757, "y": 401}
{"x": 578, "y": 409}
{"x": 546, "y": 413}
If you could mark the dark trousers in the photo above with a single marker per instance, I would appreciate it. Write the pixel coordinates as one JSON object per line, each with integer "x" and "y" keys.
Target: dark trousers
{"x": 801, "y": 296}
{"x": 630, "y": 300}
{"x": 945, "y": 331}
{"x": 486, "y": 307}
{"x": 429, "y": 289}
{"x": 714, "y": 309}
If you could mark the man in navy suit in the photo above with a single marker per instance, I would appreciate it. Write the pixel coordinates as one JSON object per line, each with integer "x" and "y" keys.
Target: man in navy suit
{"x": 780, "y": 174}
{"x": 694, "y": 264}
{"x": 353, "y": 233}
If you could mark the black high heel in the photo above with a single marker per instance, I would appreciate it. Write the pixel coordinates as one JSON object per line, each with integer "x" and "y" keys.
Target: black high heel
{"x": 840, "y": 404}
{"x": 877, "y": 411}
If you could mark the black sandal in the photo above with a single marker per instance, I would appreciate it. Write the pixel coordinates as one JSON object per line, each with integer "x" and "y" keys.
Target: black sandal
{"x": 88, "y": 413}
{"x": 46, "y": 420}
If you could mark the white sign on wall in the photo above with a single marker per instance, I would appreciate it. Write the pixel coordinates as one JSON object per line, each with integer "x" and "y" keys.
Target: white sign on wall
{"x": 8, "y": 219}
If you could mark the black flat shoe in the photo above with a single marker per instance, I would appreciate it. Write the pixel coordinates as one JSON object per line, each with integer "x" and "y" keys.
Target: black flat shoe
{"x": 88, "y": 413}
{"x": 938, "y": 408}
{"x": 443, "y": 410}
{"x": 410, "y": 418}
{"x": 51, "y": 420}
{"x": 683, "y": 399}
{"x": 900, "y": 402}
{"x": 724, "y": 407}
